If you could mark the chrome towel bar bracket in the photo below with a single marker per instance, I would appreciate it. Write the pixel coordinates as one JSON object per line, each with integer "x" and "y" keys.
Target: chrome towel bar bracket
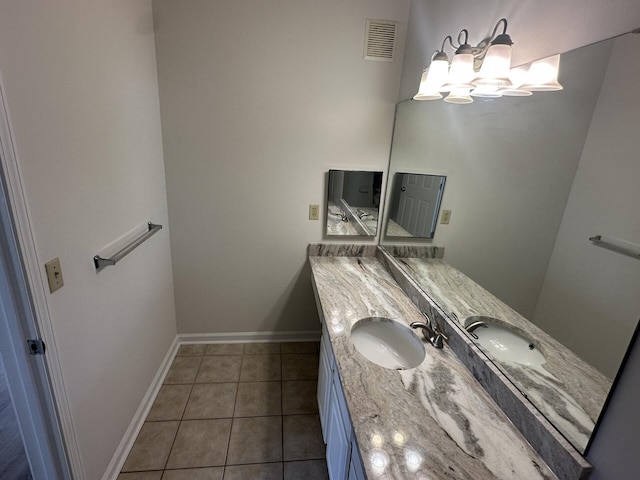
{"x": 101, "y": 263}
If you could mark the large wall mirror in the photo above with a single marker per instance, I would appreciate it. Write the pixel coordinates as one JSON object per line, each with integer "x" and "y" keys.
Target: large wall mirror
{"x": 353, "y": 202}
{"x": 529, "y": 181}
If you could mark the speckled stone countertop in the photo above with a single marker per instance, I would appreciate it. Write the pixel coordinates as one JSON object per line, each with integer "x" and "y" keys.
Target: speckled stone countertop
{"x": 567, "y": 390}
{"x": 431, "y": 422}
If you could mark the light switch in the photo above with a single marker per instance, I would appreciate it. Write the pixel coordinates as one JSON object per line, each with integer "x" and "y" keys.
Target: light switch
{"x": 54, "y": 274}
{"x": 445, "y": 218}
{"x": 314, "y": 212}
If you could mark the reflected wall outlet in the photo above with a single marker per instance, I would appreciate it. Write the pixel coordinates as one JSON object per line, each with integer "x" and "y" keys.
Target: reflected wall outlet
{"x": 314, "y": 212}
{"x": 445, "y": 217}
{"x": 54, "y": 274}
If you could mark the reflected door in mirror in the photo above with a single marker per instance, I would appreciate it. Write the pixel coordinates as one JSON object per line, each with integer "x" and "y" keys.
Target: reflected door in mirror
{"x": 415, "y": 203}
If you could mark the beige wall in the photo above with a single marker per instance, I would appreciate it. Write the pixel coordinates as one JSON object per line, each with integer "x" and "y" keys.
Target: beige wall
{"x": 258, "y": 101}
{"x": 81, "y": 87}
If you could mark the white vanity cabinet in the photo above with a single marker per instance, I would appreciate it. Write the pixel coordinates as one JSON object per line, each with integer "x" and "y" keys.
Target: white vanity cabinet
{"x": 343, "y": 458}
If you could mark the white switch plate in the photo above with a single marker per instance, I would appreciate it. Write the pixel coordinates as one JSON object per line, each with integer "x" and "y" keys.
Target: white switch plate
{"x": 54, "y": 274}
{"x": 446, "y": 217}
{"x": 314, "y": 212}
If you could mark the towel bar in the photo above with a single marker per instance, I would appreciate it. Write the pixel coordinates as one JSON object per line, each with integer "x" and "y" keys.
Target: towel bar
{"x": 620, "y": 246}
{"x": 101, "y": 263}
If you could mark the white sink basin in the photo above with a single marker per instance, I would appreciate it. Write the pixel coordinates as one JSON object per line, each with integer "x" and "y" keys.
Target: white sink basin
{"x": 505, "y": 344}
{"x": 387, "y": 343}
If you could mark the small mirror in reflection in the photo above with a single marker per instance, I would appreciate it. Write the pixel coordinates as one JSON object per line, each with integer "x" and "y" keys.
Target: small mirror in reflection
{"x": 353, "y": 202}
{"x": 415, "y": 202}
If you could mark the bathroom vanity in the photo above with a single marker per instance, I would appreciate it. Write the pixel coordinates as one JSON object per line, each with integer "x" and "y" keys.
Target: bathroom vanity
{"x": 433, "y": 421}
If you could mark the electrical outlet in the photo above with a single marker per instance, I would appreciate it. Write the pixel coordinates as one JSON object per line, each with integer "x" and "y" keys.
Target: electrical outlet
{"x": 445, "y": 218}
{"x": 54, "y": 274}
{"x": 314, "y": 212}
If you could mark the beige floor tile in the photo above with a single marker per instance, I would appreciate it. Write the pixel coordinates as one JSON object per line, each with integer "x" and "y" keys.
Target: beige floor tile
{"x": 219, "y": 368}
{"x": 300, "y": 366}
{"x": 190, "y": 350}
{"x": 298, "y": 347}
{"x": 255, "y": 440}
{"x": 306, "y": 469}
{"x": 183, "y": 370}
{"x": 260, "y": 471}
{"x": 261, "y": 348}
{"x": 299, "y": 396}
{"x": 141, "y": 476}
{"x": 224, "y": 349}
{"x": 302, "y": 438}
{"x": 200, "y": 443}
{"x": 170, "y": 403}
{"x": 213, "y": 473}
{"x": 260, "y": 368}
{"x": 258, "y": 399}
{"x": 151, "y": 448}
{"x": 211, "y": 400}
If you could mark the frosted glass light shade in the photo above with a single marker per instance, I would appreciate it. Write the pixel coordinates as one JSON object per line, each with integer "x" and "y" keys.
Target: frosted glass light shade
{"x": 426, "y": 90}
{"x": 459, "y": 96}
{"x": 495, "y": 67}
{"x": 438, "y": 71}
{"x": 518, "y": 76}
{"x": 461, "y": 72}
{"x": 543, "y": 75}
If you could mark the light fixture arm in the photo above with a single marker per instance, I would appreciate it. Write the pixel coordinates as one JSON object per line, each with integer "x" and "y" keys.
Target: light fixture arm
{"x": 495, "y": 29}
{"x": 448, "y": 37}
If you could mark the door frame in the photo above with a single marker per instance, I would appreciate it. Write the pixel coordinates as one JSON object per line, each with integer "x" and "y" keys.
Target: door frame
{"x": 35, "y": 381}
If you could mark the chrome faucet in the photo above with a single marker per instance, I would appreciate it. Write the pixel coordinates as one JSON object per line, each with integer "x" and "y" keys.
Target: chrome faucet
{"x": 431, "y": 331}
{"x": 472, "y": 326}
{"x": 341, "y": 214}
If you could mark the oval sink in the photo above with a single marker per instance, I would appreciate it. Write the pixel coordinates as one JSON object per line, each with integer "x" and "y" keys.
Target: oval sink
{"x": 504, "y": 343}
{"x": 387, "y": 343}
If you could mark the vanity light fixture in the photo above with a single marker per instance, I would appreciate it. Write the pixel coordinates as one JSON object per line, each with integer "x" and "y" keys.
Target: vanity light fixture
{"x": 484, "y": 71}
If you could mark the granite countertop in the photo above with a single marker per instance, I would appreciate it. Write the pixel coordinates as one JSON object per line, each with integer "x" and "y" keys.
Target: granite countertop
{"x": 431, "y": 422}
{"x": 567, "y": 390}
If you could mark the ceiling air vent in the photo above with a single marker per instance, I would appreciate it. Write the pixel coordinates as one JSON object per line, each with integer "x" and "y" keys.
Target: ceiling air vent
{"x": 380, "y": 41}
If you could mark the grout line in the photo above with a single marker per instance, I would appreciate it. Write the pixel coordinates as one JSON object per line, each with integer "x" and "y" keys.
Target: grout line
{"x": 233, "y": 415}
{"x": 282, "y": 407}
{"x": 181, "y": 417}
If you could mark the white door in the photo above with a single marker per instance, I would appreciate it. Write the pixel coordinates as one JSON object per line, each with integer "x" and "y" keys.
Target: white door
{"x": 28, "y": 377}
{"x": 417, "y": 209}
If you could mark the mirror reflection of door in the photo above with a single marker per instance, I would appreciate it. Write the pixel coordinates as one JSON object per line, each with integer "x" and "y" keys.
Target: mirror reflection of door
{"x": 416, "y": 202}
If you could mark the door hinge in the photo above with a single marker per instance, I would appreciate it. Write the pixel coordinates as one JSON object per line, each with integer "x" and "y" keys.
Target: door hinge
{"x": 36, "y": 347}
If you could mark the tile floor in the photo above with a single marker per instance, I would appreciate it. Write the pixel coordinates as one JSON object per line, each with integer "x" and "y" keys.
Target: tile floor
{"x": 234, "y": 412}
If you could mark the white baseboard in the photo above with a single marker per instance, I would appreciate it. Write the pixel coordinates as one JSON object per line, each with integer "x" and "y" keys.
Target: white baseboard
{"x": 250, "y": 337}
{"x": 121, "y": 453}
